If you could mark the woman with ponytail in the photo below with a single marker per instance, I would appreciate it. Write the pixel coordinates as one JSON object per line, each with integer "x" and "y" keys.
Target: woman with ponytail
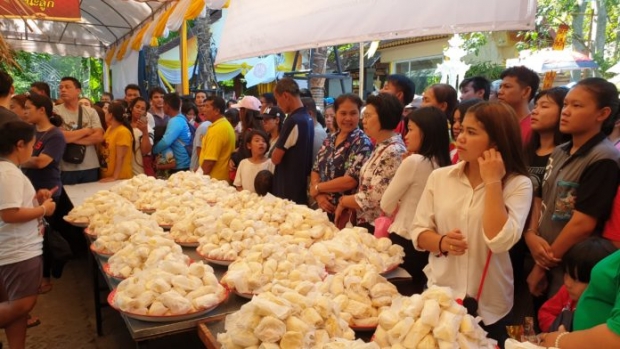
{"x": 43, "y": 169}
{"x": 116, "y": 154}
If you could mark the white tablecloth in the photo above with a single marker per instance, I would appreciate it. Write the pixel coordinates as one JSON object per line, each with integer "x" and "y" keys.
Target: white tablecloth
{"x": 79, "y": 192}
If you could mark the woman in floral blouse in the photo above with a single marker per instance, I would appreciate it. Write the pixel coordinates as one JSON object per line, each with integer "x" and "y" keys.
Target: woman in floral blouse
{"x": 382, "y": 115}
{"x": 337, "y": 166}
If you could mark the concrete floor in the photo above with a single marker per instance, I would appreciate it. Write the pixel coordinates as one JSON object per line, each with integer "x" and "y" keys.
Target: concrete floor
{"x": 67, "y": 316}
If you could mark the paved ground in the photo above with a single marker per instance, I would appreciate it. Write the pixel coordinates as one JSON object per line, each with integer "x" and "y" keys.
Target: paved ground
{"x": 67, "y": 316}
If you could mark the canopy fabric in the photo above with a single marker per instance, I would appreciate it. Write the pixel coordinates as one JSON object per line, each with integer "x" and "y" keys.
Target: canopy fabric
{"x": 103, "y": 23}
{"x": 260, "y": 27}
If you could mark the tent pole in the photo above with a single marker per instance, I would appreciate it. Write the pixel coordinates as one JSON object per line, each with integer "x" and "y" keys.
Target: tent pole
{"x": 183, "y": 52}
{"x": 361, "y": 73}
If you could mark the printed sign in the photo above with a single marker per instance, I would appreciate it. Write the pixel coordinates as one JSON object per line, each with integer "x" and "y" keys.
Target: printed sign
{"x": 59, "y": 10}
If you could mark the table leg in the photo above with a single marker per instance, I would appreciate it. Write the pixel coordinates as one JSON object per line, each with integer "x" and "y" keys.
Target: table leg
{"x": 97, "y": 295}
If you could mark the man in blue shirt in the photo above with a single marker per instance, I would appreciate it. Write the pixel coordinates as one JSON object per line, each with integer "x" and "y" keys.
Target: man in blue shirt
{"x": 293, "y": 150}
{"x": 177, "y": 136}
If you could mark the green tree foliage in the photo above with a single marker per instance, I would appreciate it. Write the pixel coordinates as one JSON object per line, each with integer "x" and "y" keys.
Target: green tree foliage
{"x": 593, "y": 28}
{"x": 50, "y": 69}
{"x": 491, "y": 71}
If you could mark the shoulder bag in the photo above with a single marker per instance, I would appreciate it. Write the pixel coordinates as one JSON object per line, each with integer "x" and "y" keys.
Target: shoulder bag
{"x": 74, "y": 153}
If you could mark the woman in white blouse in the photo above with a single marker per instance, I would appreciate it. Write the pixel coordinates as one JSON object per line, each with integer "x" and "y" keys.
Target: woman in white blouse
{"x": 428, "y": 143}
{"x": 381, "y": 116}
{"x": 472, "y": 213}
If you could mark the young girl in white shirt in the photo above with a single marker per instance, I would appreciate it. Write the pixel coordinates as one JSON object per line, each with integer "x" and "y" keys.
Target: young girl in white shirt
{"x": 428, "y": 144}
{"x": 21, "y": 240}
{"x": 472, "y": 213}
{"x": 258, "y": 144}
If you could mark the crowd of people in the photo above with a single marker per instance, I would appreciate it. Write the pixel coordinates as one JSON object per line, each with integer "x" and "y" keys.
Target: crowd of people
{"x": 508, "y": 198}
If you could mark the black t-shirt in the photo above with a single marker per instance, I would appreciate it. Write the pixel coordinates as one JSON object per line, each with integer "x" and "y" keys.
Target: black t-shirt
{"x": 51, "y": 143}
{"x": 537, "y": 172}
{"x": 290, "y": 179}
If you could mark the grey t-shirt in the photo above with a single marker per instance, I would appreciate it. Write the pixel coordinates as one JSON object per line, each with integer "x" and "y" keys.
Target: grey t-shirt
{"x": 90, "y": 119}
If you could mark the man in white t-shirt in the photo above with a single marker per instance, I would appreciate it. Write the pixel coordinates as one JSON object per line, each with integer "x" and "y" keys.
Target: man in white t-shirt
{"x": 89, "y": 133}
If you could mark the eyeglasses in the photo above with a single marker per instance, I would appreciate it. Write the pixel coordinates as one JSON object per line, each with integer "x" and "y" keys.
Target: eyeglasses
{"x": 367, "y": 115}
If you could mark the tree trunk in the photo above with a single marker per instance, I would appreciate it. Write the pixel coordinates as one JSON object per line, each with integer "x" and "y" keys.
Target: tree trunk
{"x": 601, "y": 25}
{"x": 206, "y": 71}
{"x": 578, "y": 38}
{"x": 317, "y": 85}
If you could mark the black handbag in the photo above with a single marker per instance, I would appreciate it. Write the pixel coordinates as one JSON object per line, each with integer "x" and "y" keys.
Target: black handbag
{"x": 75, "y": 153}
{"x": 58, "y": 246}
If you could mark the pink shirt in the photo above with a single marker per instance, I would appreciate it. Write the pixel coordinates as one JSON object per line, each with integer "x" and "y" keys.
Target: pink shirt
{"x": 526, "y": 129}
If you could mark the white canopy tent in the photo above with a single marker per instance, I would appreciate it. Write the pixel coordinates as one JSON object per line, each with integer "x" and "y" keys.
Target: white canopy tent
{"x": 261, "y": 27}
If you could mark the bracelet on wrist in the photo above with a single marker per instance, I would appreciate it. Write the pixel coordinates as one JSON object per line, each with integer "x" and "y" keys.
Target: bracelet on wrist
{"x": 44, "y": 211}
{"x": 533, "y": 231}
{"x": 441, "y": 251}
{"x": 316, "y": 188}
{"x": 557, "y": 339}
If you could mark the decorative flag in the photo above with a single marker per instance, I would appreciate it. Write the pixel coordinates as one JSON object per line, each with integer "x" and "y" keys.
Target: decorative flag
{"x": 262, "y": 72}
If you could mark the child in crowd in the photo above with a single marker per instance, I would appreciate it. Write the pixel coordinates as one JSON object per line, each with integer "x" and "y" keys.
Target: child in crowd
{"x": 263, "y": 182}
{"x": 258, "y": 144}
{"x": 21, "y": 243}
{"x": 577, "y": 264}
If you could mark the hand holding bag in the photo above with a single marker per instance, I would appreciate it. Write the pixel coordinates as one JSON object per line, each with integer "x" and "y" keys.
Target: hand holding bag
{"x": 383, "y": 223}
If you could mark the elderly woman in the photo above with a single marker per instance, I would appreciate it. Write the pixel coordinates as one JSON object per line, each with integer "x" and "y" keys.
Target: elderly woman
{"x": 339, "y": 160}
{"x": 382, "y": 115}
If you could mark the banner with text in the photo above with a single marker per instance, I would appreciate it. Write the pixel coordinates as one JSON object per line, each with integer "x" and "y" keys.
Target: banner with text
{"x": 59, "y": 10}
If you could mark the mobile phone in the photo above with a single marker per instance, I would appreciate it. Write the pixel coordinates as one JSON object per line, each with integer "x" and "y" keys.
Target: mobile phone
{"x": 143, "y": 118}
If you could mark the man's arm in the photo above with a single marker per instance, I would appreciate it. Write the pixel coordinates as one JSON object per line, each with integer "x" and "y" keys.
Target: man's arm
{"x": 207, "y": 166}
{"x": 75, "y": 135}
{"x": 277, "y": 155}
{"x": 38, "y": 162}
{"x": 96, "y": 137}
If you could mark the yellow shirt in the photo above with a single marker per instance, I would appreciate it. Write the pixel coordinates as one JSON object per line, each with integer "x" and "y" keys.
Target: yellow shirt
{"x": 217, "y": 145}
{"x": 113, "y": 138}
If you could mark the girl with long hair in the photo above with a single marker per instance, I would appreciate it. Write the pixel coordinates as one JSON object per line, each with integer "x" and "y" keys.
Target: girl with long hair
{"x": 471, "y": 214}
{"x": 428, "y": 142}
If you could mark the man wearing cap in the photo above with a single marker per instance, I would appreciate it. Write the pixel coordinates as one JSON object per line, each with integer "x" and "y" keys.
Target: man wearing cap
{"x": 293, "y": 153}
{"x": 219, "y": 142}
